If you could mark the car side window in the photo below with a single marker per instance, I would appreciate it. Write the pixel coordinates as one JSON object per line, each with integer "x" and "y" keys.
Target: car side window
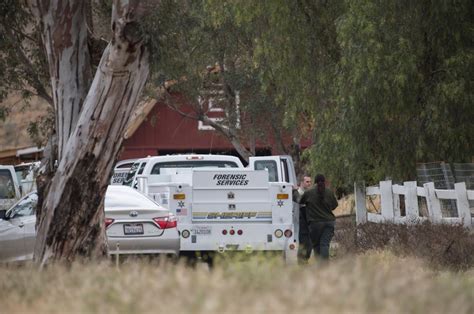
{"x": 26, "y": 207}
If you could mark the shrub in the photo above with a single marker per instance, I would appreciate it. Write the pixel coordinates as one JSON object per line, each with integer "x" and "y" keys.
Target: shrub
{"x": 442, "y": 245}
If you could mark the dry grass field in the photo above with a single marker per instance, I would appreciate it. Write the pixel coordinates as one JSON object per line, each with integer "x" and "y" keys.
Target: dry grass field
{"x": 376, "y": 281}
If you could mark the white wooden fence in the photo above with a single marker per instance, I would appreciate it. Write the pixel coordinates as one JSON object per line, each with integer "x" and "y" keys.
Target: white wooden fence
{"x": 390, "y": 203}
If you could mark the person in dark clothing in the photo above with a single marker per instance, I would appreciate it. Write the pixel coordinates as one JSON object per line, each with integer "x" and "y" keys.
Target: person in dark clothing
{"x": 319, "y": 203}
{"x": 304, "y": 247}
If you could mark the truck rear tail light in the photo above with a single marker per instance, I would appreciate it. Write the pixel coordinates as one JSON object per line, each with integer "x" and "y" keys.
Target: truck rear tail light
{"x": 185, "y": 234}
{"x": 292, "y": 246}
{"x": 179, "y": 196}
{"x": 239, "y": 232}
{"x": 232, "y": 232}
{"x": 166, "y": 222}
{"x": 282, "y": 196}
{"x": 224, "y": 232}
{"x": 288, "y": 233}
{"x": 278, "y": 233}
{"x": 108, "y": 222}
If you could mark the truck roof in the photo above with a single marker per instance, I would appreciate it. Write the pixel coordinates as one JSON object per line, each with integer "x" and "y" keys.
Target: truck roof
{"x": 185, "y": 157}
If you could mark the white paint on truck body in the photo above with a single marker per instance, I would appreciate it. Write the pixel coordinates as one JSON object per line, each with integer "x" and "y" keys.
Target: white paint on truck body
{"x": 222, "y": 208}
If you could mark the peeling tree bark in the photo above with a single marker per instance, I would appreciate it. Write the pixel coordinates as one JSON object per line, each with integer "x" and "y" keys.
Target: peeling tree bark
{"x": 64, "y": 32}
{"x": 72, "y": 224}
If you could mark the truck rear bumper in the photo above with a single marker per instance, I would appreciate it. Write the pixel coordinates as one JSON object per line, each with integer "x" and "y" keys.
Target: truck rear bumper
{"x": 237, "y": 237}
{"x": 144, "y": 245}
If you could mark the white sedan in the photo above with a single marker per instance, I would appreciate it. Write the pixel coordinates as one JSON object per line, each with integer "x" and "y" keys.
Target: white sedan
{"x": 135, "y": 224}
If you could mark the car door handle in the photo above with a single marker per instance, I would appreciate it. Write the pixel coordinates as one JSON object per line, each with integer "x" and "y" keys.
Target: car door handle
{"x": 21, "y": 225}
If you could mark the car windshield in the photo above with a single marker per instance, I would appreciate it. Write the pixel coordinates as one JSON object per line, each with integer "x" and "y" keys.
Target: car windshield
{"x": 7, "y": 187}
{"x": 193, "y": 164}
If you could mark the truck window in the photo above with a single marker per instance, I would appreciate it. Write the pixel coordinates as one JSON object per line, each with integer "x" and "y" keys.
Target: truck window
{"x": 131, "y": 174}
{"x": 126, "y": 165}
{"x": 269, "y": 165}
{"x": 286, "y": 174}
{"x": 142, "y": 167}
{"x": 7, "y": 187}
{"x": 193, "y": 164}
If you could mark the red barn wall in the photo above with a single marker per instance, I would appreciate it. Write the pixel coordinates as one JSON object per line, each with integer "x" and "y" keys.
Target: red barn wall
{"x": 166, "y": 131}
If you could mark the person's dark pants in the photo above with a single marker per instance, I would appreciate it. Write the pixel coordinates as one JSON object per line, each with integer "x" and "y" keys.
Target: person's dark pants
{"x": 305, "y": 247}
{"x": 321, "y": 234}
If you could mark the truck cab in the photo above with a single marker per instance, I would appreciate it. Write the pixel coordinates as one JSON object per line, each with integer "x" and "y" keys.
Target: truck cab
{"x": 9, "y": 187}
{"x": 160, "y": 164}
{"x": 280, "y": 168}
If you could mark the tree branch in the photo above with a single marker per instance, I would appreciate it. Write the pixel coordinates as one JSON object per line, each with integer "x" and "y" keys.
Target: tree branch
{"x": 32, "y": 77}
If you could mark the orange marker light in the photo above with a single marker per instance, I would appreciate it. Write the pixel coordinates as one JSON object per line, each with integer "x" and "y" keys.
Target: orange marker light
{"x": 180, "y": 196}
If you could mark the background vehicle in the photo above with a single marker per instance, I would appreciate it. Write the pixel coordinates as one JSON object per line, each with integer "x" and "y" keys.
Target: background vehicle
{"x": 135, "y": 225}
{"x": 222, "y": 205}
{"x": 17, "y": 230}
{"x": 9, "y": 187}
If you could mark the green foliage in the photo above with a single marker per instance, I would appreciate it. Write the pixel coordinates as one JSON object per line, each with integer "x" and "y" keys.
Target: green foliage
{"x": 40, "y": 129}
{"x": 403, "y": 90}
{"x": 378, "y": 86}
{"x": 23, "y": 66}
{"x": 207, "y": 45}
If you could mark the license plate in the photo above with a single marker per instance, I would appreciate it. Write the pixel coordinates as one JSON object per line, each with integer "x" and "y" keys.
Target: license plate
{"x": 133, "y": 229}
{"x": 202, "y": 230}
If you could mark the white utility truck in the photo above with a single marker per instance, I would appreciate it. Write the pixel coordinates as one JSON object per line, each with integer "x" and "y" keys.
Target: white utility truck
{"x": 222, "y": 205}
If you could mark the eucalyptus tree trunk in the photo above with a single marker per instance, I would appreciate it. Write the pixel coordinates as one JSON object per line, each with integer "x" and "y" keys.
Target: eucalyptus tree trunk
{"x": 64, "y": 35}
{"x": 72, "y": 223}
{"x": 64, "y": 32}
